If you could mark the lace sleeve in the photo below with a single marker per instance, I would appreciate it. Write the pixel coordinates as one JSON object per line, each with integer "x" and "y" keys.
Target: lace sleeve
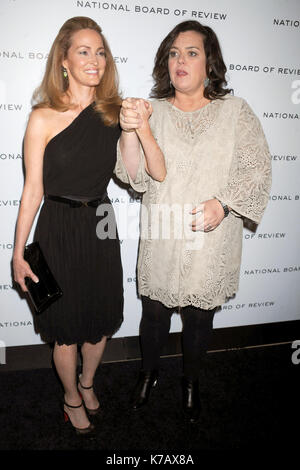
{"x": 140, "y": 184}
{"x": 248, "y": 186}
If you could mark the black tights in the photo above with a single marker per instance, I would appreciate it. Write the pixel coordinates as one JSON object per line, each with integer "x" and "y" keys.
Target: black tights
{"x": 196, "y": 334}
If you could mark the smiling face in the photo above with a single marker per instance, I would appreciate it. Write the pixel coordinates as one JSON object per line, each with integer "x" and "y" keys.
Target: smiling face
{"x": 187, "y": 63}
{"x": 86, "y": 59}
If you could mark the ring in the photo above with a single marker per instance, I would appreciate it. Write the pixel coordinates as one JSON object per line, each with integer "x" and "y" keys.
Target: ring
{"x": 208, "y": 227}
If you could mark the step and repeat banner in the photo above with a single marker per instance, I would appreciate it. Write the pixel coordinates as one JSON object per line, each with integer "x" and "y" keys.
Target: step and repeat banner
{"x": 260, "y": 43}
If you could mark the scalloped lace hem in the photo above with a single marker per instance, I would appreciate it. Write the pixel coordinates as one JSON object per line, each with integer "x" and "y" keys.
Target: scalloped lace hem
{"x": 173, "y": 300}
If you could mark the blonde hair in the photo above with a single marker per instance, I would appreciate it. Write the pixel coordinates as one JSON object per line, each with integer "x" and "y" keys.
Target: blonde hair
{"x": 54, "y": 85}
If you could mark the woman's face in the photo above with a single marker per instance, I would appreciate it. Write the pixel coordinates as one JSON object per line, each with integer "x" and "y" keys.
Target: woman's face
{"x": 86, "y": 58}
{"x": 187, "y": 62}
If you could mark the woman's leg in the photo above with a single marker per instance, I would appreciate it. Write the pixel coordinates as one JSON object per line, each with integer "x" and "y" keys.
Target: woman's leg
{"x": 196, "y": 336}
{"x": 91, "y": 358}
{"x": 154, "y": 331}
{"x": 65, "y": 360}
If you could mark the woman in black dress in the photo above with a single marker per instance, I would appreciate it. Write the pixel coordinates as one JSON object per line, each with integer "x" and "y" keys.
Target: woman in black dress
{"x": 70, "y": 154}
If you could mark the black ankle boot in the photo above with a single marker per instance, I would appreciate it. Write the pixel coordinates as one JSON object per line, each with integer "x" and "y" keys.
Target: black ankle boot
{"x": 146, "y": 380}
{"x": 191, "y": 399}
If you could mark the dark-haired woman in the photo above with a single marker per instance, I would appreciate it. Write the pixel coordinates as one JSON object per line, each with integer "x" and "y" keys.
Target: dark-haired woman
{"x": 218, "y": 168}
{"x": 70, "y": 154}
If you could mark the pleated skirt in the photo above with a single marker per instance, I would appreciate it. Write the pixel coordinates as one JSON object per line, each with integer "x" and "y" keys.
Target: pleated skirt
{"x": 89, "y": 272}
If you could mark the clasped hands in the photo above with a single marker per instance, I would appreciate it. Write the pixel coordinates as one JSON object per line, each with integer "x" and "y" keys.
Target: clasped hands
{"x": 135, "y": 114}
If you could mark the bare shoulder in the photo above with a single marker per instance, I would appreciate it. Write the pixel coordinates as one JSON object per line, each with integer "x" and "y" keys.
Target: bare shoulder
{"x": 36, "y": 136}
{"x": 42, "y": 116}
{"x": 38, "y": 119}
{"x": 41, "y": 123}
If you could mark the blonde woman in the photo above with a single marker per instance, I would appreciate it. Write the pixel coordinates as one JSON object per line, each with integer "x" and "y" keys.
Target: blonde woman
{"x": 70, "y": 155}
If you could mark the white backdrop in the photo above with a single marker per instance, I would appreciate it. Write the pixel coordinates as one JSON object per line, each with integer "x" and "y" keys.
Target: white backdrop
{"x": 260, "y": 43}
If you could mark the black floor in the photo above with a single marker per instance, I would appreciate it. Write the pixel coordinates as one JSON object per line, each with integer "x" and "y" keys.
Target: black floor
{"x": 250, "y": 399}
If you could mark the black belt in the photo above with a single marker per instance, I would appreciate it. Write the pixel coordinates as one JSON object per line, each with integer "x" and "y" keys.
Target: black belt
{"x": 75, "y": 203}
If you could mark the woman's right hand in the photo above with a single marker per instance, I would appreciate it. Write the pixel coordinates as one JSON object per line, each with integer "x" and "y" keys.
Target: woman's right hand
{"x": 134, "y": 114}
{"x": 21, "y": 270}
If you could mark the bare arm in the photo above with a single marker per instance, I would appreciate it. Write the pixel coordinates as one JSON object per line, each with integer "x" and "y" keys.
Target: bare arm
{"x": 34, "y": 146}
{"x": 134, "y": 120}
{"x": 130, "y": 151}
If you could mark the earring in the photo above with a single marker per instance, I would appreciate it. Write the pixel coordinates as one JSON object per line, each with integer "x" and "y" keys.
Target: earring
{"x": 65, "y": 73}
{"x": 206, "y": 82}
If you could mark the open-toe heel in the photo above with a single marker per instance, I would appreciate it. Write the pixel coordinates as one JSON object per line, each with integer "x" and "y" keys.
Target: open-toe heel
{"x": 79, "y": 431}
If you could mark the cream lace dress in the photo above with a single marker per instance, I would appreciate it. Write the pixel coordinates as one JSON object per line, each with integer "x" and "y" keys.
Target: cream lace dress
{"x": 218, "y": 151}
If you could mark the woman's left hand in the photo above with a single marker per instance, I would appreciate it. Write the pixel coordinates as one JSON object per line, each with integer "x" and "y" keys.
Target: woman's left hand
{"x": 134, "y": 114}
{"x": 212, "y": 214}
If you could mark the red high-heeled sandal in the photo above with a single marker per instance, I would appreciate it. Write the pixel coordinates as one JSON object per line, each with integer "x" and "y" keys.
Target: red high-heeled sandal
{"x": 79, "y": 431}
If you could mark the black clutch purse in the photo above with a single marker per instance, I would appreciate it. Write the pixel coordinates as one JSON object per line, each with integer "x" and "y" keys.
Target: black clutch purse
{"x": 46, "y": 291}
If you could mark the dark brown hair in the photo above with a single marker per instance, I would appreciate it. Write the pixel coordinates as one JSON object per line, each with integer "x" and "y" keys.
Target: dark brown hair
{"x": 54, "y": 85}
{"x": 215, "y": 66}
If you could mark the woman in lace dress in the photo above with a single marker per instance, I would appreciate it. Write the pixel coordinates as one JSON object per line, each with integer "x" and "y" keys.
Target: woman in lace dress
{"x": 218, "y": 172}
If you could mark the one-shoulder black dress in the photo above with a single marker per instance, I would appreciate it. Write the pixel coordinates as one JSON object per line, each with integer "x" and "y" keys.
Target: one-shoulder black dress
{"x": 78, "y": 163}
